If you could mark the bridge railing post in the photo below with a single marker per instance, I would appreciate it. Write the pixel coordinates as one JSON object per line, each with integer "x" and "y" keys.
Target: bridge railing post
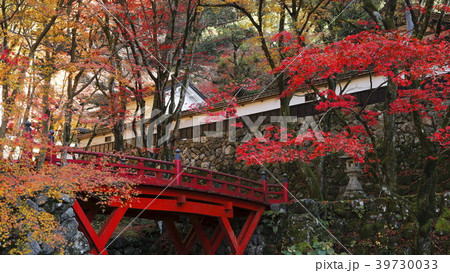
{"x": 285, "y": 189}
{"x": 98, "y": 161}
{"x": 122, "y": 170}
{"x": 140, "y": 166}
{"x": 209, "y": 183}
{"x": 178, "y": 168}
{"x": 53, "y": 156}
{"x": 265, "y": 186}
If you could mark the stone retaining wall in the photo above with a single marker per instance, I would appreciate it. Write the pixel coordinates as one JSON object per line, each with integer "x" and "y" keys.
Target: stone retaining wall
{"x": 76, "y": 242}
{"x": 371, "y": 226}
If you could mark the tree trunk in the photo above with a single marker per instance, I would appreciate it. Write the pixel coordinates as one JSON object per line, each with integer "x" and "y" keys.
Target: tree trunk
{"x": 8, "y": 107}
{"x": 311, "y": 181}
{"x": 118, "y": 130}
{"x": 67, "y": 123}
{"x": 426, "y": 191}
{"x": 119, "y": 123}
{"x": 45, "y": 108}
{"x": 389, "y": 141}
{"x": 426, "y": 207}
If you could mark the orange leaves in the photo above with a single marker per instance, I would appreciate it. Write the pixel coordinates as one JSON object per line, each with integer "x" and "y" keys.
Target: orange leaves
{"x": 20, "y": 182}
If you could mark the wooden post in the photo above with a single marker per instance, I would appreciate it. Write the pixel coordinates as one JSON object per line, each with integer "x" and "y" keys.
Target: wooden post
{"x": 209, "y": 183}
{"x": 265, "y": 187}
{"x": 53, "y": 158}
{"x": 140, "y": 166}
{"x": 285, "y": 189}
{"x": 178, "y": 168}
{"x": 98, "y": 162}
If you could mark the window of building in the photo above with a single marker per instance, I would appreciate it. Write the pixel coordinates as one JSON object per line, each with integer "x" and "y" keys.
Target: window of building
{"x": 108, "y": 139}
{"x": 310, "y": 97}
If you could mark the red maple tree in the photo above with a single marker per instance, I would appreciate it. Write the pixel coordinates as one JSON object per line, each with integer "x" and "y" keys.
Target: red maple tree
{"x": 417, "y": 72}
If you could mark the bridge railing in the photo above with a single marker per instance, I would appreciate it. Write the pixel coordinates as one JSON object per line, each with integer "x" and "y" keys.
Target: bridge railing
{"x": 175, "y": 174}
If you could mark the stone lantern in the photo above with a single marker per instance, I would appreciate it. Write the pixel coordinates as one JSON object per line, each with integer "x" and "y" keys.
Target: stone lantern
{"x": 354, "y": 189}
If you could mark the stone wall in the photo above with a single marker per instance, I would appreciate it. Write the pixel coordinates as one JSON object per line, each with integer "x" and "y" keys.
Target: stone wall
{"x": 372, "y": 226}
{"x": 75, "y": 241}
{"x": 219, "y": 154}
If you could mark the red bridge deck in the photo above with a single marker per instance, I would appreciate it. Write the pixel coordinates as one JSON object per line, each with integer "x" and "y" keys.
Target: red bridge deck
{"x": 209, "y": 199}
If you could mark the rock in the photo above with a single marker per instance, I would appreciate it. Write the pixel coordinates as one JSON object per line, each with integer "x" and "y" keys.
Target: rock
{"x": 407, "y": 127}
{"x": 129, "y": 251}
{"x": 229, "y": 150}
{"x": 69, "y": 228}
{"x": 47, "y": 249}
{"x": 118, "y": 242}
{"x": 259, "y": 250}
{"x": 41, "y": 199}
{"x": 314, "y": 207}
{"x": 427, "y": 121}
{"x": 34, "y": 247}
{"x": 341, "y": 209}
{"x": 56, "y": 207}
{"x": 79, "y": 245}
{"x": 76, "y": 242}
{"x": 68, "y": 214}
{"x": 34, "y": 206}
{"x": 205, "y": 165}
{"x": 278, "y": 208}
{"x": 67, "y": 199}
{"x": 446, "y": 199}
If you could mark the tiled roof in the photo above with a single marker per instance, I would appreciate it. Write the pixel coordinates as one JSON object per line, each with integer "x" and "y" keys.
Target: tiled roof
{"x": 268, "y": 92}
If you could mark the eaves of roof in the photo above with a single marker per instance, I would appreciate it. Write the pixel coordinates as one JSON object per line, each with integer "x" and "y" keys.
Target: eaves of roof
{"x": 269, "y": 92}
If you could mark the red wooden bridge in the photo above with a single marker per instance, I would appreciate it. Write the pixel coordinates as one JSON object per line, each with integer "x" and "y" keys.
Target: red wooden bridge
{"x": 170, "y": 190}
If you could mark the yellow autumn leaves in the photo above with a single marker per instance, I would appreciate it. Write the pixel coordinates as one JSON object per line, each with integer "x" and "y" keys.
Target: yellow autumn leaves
{"x": 21, "y": 182}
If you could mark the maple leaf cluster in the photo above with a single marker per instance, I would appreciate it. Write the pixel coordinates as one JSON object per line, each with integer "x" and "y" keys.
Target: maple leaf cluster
{"x": 388, "y": 54}
{"x": 442, "y": 137}
{"x": 304, "y": 147}
{"x": 391, "y": 55}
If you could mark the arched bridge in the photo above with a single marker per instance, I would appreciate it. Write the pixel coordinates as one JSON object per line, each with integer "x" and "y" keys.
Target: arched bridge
{"x": 219, "y": 206}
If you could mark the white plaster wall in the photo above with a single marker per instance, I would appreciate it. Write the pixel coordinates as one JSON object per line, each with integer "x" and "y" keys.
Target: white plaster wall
{"x": 257, "y": 106}
{"x": 263, "y": 105}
